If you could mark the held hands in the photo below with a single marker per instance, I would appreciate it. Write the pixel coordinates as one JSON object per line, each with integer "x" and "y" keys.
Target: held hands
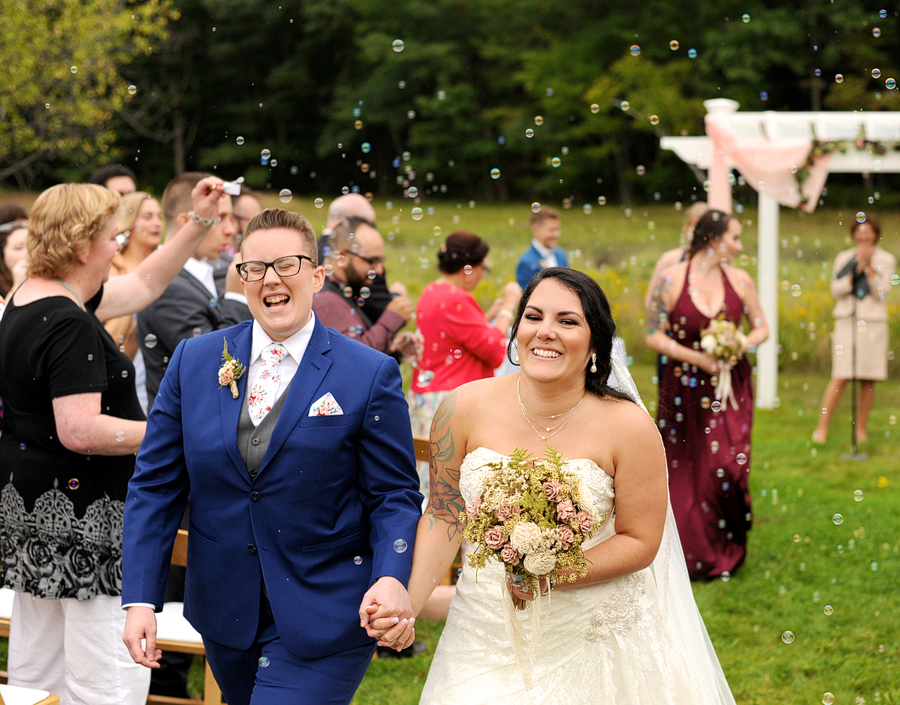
{"x": 410, "y": 345}
{"x": 527, "y": 594}
{"x": 402, "y": 305}
{"x": 386, "y": 614}
{"x": 140, "y": 623}
{"x": 206, "y": 195}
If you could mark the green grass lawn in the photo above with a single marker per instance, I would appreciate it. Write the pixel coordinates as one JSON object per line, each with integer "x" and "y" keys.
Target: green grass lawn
{"x": 799, "y": 560}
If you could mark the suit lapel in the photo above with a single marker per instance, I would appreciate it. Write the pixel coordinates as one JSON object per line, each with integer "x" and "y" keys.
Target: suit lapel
{"x": 307, "y": 381}
{"x": 239, "y": 341}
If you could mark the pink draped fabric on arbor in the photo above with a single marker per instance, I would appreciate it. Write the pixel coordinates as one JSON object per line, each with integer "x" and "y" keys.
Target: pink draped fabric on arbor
{"x": 768, "y": 166}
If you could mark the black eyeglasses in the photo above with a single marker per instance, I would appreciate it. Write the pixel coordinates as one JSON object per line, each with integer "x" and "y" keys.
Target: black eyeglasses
{"x": 373, "y": 261}
{"x": 286, "y": 266}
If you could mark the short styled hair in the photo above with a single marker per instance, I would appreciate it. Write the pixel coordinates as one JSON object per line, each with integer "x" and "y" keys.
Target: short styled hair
{"x": 66, "y": 221}
{"x": 177, "y": 196}
{"x": 273, "y": 218}
{"x": 542, "y": 214}
{"x": 344, "y": 233}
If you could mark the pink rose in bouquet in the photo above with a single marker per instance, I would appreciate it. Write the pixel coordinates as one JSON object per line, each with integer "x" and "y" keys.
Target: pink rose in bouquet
{"x": 585, "y": 522}
{"x": 565, "y": 536}
{"x": 507, "y": 512}
{"x": 494, "y": 538}
{"x": 510, "y": 555}
{"x": 565, "y": 511}
{"x": 553, "y": 490}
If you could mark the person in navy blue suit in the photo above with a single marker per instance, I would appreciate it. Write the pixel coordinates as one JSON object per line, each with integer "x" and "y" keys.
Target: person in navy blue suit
{"x": 543, "y": 253}
{"x": 301, "y": 524}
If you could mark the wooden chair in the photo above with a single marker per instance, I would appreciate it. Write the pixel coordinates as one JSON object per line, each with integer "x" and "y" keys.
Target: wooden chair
{"x": 10, "y": 695}
{"x": 174, "y": 633}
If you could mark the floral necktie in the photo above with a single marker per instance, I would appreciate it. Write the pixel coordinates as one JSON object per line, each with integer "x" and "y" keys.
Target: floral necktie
{"x": 265, "y": 385}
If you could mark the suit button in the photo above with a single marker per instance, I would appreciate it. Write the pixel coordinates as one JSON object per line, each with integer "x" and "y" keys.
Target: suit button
{"x": 254, "y": 473}
{"x": 255, "y": 496}
{"x": 252, "y": 550}
{"x": 255, "y": 441}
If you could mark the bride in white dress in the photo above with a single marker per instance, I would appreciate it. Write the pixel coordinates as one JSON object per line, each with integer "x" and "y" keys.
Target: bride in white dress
{"x": 626, "y": 633}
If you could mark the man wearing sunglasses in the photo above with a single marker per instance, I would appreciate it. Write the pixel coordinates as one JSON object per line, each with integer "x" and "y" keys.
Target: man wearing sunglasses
{"x": 355, "y": 258}
{"x": 292, "y": 446}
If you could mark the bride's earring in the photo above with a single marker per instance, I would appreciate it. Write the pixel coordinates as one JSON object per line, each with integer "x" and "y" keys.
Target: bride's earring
{"x": 516, "y": 361}
{"x": 594, "y": 362}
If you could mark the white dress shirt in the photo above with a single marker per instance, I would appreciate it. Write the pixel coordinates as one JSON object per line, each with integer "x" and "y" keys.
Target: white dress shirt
{"x": 547, "y": 255}
{"x": 203, "y": 272}
{"x": 295, "y": 345}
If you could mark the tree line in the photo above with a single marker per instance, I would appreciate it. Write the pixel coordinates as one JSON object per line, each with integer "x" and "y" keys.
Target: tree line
{"x": 486, "y": 99}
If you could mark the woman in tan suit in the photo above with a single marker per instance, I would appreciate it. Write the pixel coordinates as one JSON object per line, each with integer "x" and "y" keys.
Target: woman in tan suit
{"x": 862, "y": 278}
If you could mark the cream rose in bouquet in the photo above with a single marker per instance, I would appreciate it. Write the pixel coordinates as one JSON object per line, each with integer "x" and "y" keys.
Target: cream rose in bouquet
{"x": 533, "y": 515}
{"x": 725, "y": 342}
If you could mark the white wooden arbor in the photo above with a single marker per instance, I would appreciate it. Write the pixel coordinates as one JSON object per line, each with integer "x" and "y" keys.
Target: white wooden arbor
{"x": 772, "y": 126}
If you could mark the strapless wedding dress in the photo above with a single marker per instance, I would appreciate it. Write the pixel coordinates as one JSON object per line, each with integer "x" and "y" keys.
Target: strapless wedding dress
{"x": 606, "y": 643}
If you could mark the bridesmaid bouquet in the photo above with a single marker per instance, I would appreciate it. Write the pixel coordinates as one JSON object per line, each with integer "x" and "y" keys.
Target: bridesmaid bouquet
{"x": 533, "y": 517}
{"x": 725, "y": 342}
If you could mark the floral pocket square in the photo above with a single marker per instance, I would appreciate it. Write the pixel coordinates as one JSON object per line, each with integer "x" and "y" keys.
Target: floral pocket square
{"x": 326, "y": 406}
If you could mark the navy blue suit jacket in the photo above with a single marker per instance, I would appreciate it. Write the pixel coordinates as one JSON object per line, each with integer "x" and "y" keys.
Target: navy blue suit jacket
{"x": 531, "y": 263}
{"x": 320, "y": 522}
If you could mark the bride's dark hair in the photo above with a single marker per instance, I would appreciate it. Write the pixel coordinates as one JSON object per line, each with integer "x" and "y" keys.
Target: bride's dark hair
{"x": 599, "y": 318}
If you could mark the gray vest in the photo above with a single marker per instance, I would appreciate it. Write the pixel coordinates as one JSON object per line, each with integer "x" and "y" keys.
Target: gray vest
{"x": 253, "y": 441}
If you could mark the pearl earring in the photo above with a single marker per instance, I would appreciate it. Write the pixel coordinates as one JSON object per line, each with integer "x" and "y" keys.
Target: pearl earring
{"x": 516, "y": 361}
{"x": 594, "y": 362}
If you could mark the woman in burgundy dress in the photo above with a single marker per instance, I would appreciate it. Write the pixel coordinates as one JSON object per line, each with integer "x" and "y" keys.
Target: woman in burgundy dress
{"x": 707, "y": 441}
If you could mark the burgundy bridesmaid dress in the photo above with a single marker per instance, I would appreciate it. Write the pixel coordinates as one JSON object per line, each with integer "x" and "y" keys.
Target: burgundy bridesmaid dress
{"x": 708, "y": 447}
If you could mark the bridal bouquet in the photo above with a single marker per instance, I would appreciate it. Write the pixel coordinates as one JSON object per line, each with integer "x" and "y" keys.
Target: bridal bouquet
{"x": 725, "y": 342}
{"x": 532, "y": 516}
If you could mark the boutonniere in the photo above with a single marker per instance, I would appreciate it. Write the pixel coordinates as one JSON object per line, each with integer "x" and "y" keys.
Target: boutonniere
{"x": 230, "y": 372}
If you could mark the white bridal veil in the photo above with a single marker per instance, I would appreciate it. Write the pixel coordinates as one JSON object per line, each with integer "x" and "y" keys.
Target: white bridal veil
{"x": 676, "y": 599}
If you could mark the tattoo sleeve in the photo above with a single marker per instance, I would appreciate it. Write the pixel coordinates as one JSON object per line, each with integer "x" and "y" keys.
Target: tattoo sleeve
{"x": 446, "y": 502}
{"x": 656, "y": 314}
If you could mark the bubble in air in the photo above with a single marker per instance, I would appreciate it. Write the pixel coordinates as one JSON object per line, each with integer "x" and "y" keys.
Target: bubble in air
{"x": 839, "y": 78}
{"x": 882, "y": 14}
{"x": 741, "y": 458}
{"x": 692, "y": 53}
{"x": 828, "y": 610}
{"x": 745, "y": 18}
{"x": 625, "y": 106}
{"x": 641, "y": 170}
{"x": 285, "y": 195}
{"x": 132, "y": 89}
{"x": 555, "y": 162}
{"x": 120, "y": 436}
{"x": 538, "y": 120}
{"x": 535, "y": 207}
{"x": 788, "y": 637}
{"x": 635, "y": 50}
{"x": 413, "y": 192}
{"x": 890, "y": 84}
{"x": 73, "y": 69}
{"x": 673, "y": 45}
{"x": 796, "y": 290}
{"x": 263, "y": 662}
{"x": 601, "y": 200}
{"x": 595, "y": 108}
{"x": 357, "y": 560}
{"x": 400, "y": 546}
{"x": 654, "y": 119}
{"x": 828, "y": 699}
{"x": 397, "y": 45}
{"x": 529, "y": 133}
{"x": 366, "y": 147}
{"x": 837, "y": 519}
{"x": 876, "y": 32}
{"x": 417, "y": 213}
{"x": 495, "y": 173}
{"x": 319, "y": 203}
{"x": 73, "y": 484}
{"x": 876, "y": 73}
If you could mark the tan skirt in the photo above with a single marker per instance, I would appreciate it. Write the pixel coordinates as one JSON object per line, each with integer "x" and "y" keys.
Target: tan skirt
{"x": 871, "y": 350}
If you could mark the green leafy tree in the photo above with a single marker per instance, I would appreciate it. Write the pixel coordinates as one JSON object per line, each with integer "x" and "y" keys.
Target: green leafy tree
{"x": 60, "y": 85}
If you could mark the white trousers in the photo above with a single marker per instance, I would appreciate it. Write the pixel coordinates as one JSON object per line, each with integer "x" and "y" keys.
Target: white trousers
{"x": 74, "y": 649}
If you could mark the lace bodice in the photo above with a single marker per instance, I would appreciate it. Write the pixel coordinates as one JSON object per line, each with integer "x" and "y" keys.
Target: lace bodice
{"x": 473, "y": 472}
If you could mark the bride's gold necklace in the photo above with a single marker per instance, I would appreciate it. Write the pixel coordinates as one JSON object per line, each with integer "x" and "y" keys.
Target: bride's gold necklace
{"x": 549, "y": 430}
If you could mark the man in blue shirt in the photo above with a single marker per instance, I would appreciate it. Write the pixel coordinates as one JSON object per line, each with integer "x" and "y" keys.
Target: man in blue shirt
{"x": 545, "y": 229}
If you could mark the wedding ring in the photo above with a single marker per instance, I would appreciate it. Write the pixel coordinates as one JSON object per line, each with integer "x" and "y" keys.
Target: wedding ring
{"x": 517, "y": 581}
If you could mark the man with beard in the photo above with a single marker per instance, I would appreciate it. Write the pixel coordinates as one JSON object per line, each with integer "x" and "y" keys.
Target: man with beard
{"x": 355, "y": 258}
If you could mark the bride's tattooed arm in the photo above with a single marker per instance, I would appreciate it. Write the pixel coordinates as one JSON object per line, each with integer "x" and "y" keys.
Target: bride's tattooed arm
{"x": 446, "y": 502}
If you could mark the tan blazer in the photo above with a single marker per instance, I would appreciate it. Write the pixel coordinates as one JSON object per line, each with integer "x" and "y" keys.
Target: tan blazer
{"x": 872, "y": 307}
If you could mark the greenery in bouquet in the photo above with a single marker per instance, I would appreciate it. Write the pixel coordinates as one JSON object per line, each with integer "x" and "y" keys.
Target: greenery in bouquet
{"x": 724, "y": 341}
{"x": 533, "y": 516}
